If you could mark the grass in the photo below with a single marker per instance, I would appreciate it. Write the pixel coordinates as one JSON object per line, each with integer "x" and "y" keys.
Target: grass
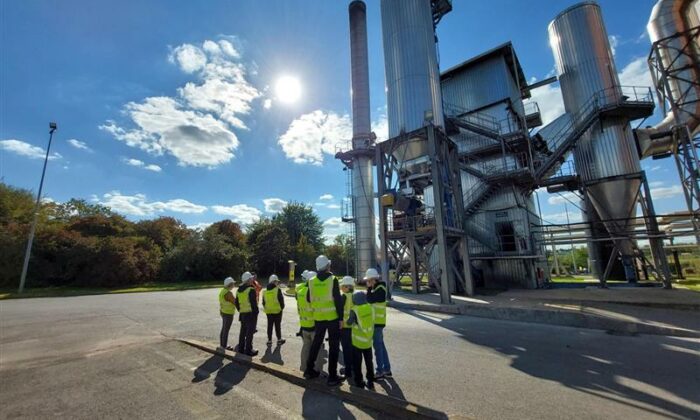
{"x": 690, "y": 283}
{"x": 63, "y": 291}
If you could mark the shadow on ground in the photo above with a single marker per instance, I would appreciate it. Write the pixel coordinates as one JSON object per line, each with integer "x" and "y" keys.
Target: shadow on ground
{"x": 595, "y": 371}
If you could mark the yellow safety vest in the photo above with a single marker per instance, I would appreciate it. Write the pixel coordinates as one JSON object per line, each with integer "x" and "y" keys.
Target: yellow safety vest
{"x": 363, "y": 329}
{"x": 244, "y": 300}
{"x": 346, "y": 308}
{"x": 306, "y": 314}
{"x": 380, "y": 308}
{"x": 225, "y": 306}
{"x": 321, "y": 293}
{"x": 272, "y": 305}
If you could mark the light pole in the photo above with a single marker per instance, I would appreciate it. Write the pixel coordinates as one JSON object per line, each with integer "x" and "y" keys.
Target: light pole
{"x": 52, "y": 128}
{"x": 573, "y": 255}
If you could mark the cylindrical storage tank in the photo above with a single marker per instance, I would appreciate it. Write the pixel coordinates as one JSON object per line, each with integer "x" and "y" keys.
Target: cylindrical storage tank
{"x": 411, "y": 67}
{"x": 585, "y": 67}
{"x": 362, "y": 177}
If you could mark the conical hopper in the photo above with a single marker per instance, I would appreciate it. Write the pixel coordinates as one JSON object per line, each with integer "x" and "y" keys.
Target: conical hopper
{"x": 615, "y": 202}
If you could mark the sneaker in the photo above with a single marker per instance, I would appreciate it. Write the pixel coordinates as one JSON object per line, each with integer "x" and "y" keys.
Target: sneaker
{"x": 342, "y": 371}
{"x": 237, "y": 348}
{"x": 252, "y": 353}
{"x": 334, "y": 380}
{"x": 370, "y": 386}
{"x": 388, "y": 374}
{"x": 311, "y": 374}
{"x": 269, "y": 343}
{"x": 379, "y": 375}
{"x": 229, "y": 348}
{"x": 281, "y": 341}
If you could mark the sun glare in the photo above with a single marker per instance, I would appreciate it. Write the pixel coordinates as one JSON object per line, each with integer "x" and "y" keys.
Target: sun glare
{"x": 288, "y": 89}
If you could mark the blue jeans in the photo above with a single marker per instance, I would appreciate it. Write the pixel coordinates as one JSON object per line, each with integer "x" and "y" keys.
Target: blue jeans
{"x": 380, "y": 352}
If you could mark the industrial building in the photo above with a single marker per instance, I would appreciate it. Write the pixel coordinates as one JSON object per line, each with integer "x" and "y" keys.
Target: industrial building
{"x": 456, "y": 179}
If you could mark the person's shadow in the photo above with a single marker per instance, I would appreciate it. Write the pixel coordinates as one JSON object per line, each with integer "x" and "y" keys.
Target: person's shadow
{"x": 315, "y": 405}
{"x": 391, "y": 388}
{"x": 209, "y": 366}
{"x": 229, "y": 376}
{"x": 273, "y": 356}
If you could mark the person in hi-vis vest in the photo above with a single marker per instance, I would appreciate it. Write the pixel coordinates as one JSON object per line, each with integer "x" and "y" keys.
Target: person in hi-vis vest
{"x": 346, "y": 288}
{"x": 361, "y": 320}
{"x": 327, "y": 305}
{"x": 273, "y": 304}
{"x": 227, "y": 309}
{"x": 247, "y": 306}
{"x": 376, "y": 296}
{"x": 306, "y": 322}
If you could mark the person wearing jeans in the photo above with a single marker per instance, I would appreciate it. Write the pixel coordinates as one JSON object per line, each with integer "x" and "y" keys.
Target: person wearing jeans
{"x": 227, "y": 309}
{"x": 376, "y": 296}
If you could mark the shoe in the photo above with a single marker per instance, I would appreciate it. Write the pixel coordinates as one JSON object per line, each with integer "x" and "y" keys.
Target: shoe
{"x": 379, "y": 375}
{"x": 229, "y": 348}
{"x": 334, "y": 380}
{"x": 358, "y": 384}
{"x": 388, "y": 374}
{"x": 252, "y": 353}
{"x": 342, "y": 371}
{"x": 237, "y": 348}
{"x": 269, "y": 343}
{"x": 311, "y": 374}
{"x": 281, "y": 341}
{"x": 370, "y": 386}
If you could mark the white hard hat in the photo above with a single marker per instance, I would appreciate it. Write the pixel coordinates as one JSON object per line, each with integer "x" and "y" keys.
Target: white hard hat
{"x": 322, "y": 262}
{"x": 246, "y": 277}
{"x": 347, "y": 281}
{"x": 310, "y": 275}
{"x": 228, "y": 281}
{"x": 273, "y": 278}
{"x": 372, "y": 274}
{"x": 304, "y": 273}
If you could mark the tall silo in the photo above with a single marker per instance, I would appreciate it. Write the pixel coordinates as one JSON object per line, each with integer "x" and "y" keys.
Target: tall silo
{"x": 362, "y": 141}
{"x": 605, "y": 154}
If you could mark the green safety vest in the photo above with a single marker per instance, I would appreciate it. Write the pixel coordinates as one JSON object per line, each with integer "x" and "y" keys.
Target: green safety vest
{"x": 225, "y": 306}
{"x": 272, "y": 305}
{"x": 322, "y": 299}
{"x": 380, "y": 308}
{"x": 363, "y": 329}
{"x": 346, "y": 308}
{"x": 306, "y": 314}
{"x": 244, "y": 301}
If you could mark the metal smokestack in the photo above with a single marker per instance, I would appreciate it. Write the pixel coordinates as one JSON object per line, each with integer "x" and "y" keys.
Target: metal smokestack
{"x": 362, "y": 140}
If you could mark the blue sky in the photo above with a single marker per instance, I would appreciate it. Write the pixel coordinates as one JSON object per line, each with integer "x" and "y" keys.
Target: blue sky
{"x": 169, "y": 107}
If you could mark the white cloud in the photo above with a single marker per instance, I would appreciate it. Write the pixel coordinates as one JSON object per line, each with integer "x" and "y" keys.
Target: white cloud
{"x": 195, "y": 126}
{"x": 141, "y": 164}
{"x": 333, "y": 227}
{"x": 563, "y": 198}
{"x": 333, "y": 206}
{"x": 636, "y": 73}
{"x": 138, "y": 205}
{"x": 313, "y": 134}
{"x": 133, "y": 162}
{"x": 614, "y": 41}
{"x": 153, "y": 168}
{"x": 380, "y": 126}
{"x": 239, "y": 213}
{"x": 267, "y": 103}
{"x": 560, "y": 218}
{"x": 326, "y": 197}
{"x": 274, "y": 205}
{"x": 200, "y": 226}
{"x": 666, "y": 192}
{"x": 79, "y": 144}
{"x": 25, "y": 149}
{"x": 549, "y": 100}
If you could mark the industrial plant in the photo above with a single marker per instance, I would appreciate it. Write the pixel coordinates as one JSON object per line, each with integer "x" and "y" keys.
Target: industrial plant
{"x": 455, "y": 205}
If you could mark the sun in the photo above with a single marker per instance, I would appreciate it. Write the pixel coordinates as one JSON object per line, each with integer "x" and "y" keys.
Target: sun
{"x": 288, "y": 89}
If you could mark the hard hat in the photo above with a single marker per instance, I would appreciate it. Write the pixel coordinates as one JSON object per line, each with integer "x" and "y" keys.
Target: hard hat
{"x": 304, "y": 273}
{"x": 347, "y": 281}
{"x": 273, "y": 278}
{"x": 322, "y": 262}
{"x": 372, "y": 274}
{"x": 228, "y": 281}
{"x": 310, "y": 275}
{"x": 246, "y": 277}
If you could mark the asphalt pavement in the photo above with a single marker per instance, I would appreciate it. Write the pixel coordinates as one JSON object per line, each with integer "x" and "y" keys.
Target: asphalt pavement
{"x": 114, "y": 351}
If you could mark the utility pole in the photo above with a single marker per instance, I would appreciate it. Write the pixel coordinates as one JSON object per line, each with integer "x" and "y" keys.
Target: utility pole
{"x": 25, "y": 267}
{"x": 573, "y": 255}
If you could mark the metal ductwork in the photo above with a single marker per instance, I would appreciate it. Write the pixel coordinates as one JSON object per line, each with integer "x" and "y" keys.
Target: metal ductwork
{"x": 669, "y": 18}
{"x": 362, "y": 140}
{"x": 606, "y": 152}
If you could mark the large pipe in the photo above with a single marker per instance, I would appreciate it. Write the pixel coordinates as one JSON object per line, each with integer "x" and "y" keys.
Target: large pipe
{"x": 669, "y": 18}
{"x": 362, "y": 179}
{"x": 606, "y": 151}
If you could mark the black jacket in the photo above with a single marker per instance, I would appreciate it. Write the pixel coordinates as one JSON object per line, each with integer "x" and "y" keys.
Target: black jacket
{"x": 280, "y": 297}
{"x": 251, "y": 296}
{"x": 376, "y": 296}
{"x": 337, "y": 296}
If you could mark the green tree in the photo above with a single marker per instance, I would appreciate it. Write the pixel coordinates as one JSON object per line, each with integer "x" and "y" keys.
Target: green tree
{"x": 300, "y": 221}
{"x": 342, "y": 254}
{"x": 269, "y": 247}
{"x": 305, "y": 255}
{"x": 166, "y": 232}
{"x": 231, "y": 231}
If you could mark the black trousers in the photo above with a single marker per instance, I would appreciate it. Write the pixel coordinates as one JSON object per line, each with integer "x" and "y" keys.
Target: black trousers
{"x": 346, "y": 342}
{"x": 245, "y": 338}
{"x": 358, "y": 355}
{"x": 226, "y": 321}
{"x": 333, "y": 328}
{"x": 276, "y": 320}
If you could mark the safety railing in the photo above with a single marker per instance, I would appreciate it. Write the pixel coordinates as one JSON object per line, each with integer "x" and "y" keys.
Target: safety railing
{"x": 479, "y": 119}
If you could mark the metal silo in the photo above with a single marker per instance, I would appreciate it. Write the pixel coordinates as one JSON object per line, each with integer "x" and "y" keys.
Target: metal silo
{"x": 606, "y": 152}
{"x": 362, "y": 140}
{"x": 411, "y": 66}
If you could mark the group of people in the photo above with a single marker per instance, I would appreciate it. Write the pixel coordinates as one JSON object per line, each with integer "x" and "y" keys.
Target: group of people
{"x": 327, "y": 307}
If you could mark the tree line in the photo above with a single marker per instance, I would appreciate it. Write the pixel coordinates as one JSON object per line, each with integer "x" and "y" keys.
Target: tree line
{"x": 78, "y": 243}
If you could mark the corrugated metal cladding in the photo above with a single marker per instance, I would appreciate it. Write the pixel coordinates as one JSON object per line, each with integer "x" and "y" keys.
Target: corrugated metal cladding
{"x": 467, "y": 142}
{"x": 411, "y": 67}
{"x": 607, "y": 152}
{"x": 512, "y": 272}
{"x": 478, "y": 85}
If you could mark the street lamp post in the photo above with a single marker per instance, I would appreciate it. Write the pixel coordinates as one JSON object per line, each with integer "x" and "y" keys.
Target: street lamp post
{"x": 573, "y": 255}
{"x": 25, "y": 267}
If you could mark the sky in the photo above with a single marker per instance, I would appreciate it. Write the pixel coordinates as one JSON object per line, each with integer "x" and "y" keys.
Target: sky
{"x": 172, "y": 108}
